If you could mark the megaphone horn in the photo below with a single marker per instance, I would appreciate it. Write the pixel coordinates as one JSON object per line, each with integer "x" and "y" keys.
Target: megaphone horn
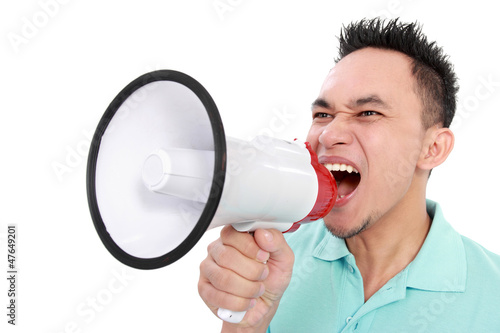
{"x": 161, "y": 172}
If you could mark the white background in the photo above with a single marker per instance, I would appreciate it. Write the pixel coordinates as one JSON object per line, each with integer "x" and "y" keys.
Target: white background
{"x": 62, "y": 64}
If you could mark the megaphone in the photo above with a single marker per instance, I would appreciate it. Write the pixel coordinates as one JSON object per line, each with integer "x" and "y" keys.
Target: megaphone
{"x": 161, "y": 172}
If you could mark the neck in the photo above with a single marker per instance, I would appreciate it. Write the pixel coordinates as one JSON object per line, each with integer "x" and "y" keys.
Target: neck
{"x": 390, "y": 244}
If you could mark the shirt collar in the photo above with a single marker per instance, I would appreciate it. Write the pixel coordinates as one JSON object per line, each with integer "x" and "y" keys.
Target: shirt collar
{"x": 440, "y": 264}
{"x": 330, "y": 248}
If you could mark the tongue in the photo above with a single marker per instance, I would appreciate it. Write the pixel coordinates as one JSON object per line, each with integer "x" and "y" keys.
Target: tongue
{"x": 347, "y": 185}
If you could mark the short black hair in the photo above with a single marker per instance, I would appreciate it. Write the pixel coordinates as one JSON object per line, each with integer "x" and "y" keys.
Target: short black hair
{"x": 436, "y": 81}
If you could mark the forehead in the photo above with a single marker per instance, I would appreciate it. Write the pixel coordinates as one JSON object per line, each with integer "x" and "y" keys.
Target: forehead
{"x": 368, "y": 72}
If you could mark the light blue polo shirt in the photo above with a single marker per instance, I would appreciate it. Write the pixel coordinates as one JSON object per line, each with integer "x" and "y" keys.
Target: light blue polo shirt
{"x": 453, "y": 285}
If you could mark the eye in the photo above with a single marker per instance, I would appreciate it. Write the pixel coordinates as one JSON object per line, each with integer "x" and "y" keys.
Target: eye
{"x": 321, "y": 115}
{"x": 368, "y": 113}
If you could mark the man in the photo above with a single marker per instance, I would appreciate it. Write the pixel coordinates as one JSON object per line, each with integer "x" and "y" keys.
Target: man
{"x": 385, "y": 259}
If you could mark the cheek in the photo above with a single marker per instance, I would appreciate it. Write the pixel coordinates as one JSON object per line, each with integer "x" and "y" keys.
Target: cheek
{"x": 381, "y": 148}
{"x": 395, "y": 160}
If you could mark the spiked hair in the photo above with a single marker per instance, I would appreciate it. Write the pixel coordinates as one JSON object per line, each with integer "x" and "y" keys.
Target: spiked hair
{"x": 436, "y": 82}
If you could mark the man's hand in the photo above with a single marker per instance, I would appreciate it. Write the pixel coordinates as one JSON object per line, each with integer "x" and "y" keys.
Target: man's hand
{"x": 246, "y": 273}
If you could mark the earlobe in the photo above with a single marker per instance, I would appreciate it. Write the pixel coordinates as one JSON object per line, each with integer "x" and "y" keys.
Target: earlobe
{"x": 437, "y": 147}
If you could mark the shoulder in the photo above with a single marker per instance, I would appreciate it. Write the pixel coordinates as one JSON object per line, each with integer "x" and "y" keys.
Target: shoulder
{"x": 444, "y": 238}
{"x": 482, "y": 294}
{"x": 481, "y": 259}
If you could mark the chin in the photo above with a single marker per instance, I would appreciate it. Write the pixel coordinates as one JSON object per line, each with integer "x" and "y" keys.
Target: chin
{"x": 349, "y": 230}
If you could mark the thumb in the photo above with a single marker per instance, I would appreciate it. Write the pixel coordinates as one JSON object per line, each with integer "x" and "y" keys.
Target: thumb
{"x": 273, "y": 242}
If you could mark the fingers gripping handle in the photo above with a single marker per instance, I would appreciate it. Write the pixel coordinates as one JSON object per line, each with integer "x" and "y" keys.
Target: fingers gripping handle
{"x": 229, "y": 316}
{"x": 235, "y": 317}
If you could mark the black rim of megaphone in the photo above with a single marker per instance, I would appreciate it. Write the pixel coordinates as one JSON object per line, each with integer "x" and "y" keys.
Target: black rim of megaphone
{"x": 217, "y": 182}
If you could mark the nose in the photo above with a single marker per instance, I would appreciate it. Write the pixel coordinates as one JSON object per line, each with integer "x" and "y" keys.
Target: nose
{"x": 337, "y": 132}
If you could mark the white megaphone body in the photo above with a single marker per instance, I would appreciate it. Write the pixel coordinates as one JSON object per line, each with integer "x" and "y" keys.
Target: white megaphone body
{"x": 161, "y": 172}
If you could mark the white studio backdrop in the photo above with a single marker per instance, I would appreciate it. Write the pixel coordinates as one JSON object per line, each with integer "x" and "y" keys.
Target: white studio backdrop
{"x": 263, "y": 62}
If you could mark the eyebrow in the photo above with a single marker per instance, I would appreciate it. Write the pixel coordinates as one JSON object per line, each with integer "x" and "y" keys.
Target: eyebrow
{"x": 371, "y": 99}
{"x": 354, "y": 103}
{"x": 320, "y": 102}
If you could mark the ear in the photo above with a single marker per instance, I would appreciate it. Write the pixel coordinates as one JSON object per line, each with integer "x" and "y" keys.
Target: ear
{"x": 438, "y": 144}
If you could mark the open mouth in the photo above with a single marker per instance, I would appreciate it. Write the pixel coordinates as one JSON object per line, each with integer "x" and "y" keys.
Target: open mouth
{"x": 346, "y": 176}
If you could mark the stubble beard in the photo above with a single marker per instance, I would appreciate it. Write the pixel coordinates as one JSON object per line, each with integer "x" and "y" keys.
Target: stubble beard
{"x": 345, "y": 234}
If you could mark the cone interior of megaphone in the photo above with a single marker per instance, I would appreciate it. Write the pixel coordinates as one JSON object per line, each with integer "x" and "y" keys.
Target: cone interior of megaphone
{"x": 161, "y": 172}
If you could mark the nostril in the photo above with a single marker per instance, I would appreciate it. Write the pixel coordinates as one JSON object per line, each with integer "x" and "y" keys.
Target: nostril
{"x": 330, "y": 138}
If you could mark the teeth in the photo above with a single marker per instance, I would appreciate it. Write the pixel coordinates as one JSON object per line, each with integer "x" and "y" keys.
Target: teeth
{"x": 340, "y": 167}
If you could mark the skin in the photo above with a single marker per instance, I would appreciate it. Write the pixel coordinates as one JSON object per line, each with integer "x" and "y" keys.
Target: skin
{"x": 368, "y": 114}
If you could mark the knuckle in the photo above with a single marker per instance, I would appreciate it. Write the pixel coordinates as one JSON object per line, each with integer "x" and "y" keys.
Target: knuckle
{"x": 206, "y": 291}
{"x": 203, "y": 267}
{"x": 202, "y": 289}
{"x": 223, "y": 256}
{"x": 226, "y": 232}
{"x": 210, "y": 271}
{"x": 216, "y": 276}
{"x": 214, "y": 295}
{"x": 212, "y": 246}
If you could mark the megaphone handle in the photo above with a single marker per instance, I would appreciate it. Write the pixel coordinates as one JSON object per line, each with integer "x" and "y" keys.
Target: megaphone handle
{"x": 229, "y": 316}
{"x": 235, "y": 317}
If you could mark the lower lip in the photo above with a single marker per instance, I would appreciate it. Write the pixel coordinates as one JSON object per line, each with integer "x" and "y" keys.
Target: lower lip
{"x": 344, "y": 200}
